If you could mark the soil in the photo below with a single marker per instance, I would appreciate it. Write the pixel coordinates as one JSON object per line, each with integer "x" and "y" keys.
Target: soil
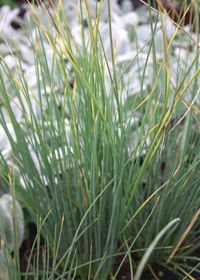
{"x": 160, "y": 273}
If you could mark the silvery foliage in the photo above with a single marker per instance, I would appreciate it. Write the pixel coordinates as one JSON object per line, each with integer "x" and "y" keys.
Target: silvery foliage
{"x": 7, "y": 234}
{"x": 6, "y": 221}
{"x": 130, "y": 29}
{"x": 7, "y": 16}
{"x": 5, "y": 257}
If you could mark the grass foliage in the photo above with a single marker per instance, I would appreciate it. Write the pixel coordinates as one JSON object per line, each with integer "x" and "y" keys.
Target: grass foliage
{"x": 102, "y": 169}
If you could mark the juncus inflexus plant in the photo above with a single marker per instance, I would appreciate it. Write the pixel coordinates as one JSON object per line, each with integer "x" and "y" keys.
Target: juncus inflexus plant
{"x": 74, "y": 148}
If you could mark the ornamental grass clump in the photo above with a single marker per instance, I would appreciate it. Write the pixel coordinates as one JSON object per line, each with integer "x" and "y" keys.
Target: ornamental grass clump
{"x": 103, "y": 162}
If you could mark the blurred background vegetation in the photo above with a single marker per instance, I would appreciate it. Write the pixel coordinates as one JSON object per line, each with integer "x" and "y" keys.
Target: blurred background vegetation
{"x": 11, "y": 3}
{"x": 15, "y": 3}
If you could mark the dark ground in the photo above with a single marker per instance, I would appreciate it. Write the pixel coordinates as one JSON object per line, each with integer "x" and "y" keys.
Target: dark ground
{"x": 136, "y": 3}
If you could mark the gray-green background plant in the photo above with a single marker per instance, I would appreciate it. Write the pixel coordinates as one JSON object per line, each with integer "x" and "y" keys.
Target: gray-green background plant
{"x": 11, "y": 235}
